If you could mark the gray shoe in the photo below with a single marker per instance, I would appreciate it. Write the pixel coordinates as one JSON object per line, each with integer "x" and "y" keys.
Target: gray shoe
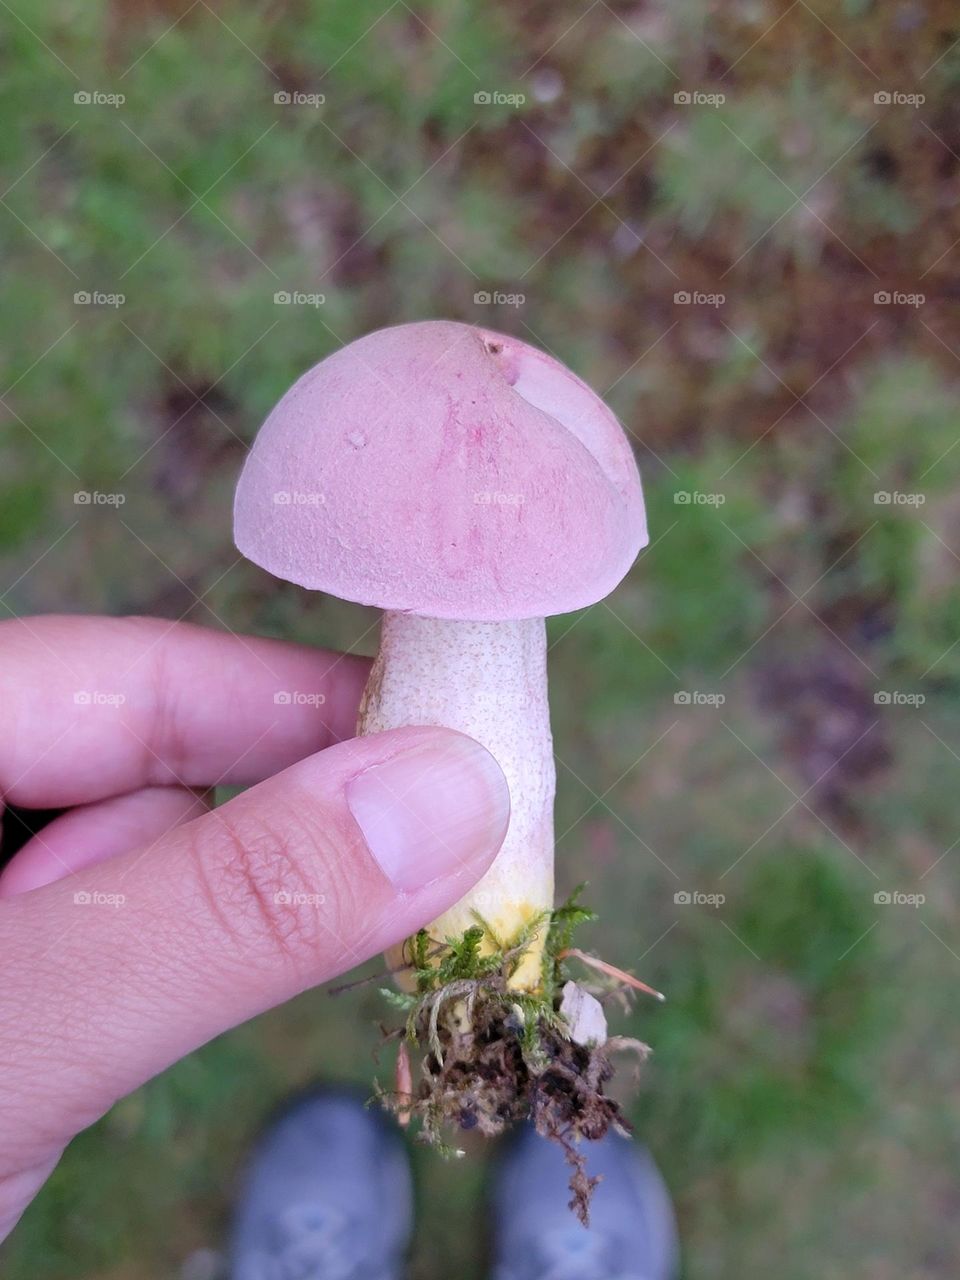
{"x": 632, "y": 1235}
{"x": 327, "y": 1196}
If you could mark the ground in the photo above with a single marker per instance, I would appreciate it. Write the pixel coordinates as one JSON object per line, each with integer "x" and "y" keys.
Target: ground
{"x": 739, "y": 223}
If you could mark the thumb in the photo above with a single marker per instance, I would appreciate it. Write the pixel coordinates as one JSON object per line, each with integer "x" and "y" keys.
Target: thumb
{"x": 112, "y": 974}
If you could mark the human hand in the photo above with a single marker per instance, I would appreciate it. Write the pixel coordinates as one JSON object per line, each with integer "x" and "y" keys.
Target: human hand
{"x": 138, "y": 925}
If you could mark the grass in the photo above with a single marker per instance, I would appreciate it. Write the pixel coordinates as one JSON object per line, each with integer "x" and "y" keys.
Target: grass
{"x": 802, "y": 1095}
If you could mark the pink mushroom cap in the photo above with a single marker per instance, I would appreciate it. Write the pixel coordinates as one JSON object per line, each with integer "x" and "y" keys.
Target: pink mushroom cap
{"x": 443, "y": 470}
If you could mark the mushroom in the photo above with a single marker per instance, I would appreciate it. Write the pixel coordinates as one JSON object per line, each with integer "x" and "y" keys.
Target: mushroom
{"x": 469, "y": 485}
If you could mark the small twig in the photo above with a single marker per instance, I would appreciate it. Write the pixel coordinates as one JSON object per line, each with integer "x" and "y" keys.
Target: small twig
{"x": 344, "y": 987}
{"x": 404, "y": 1084}
{"x": 621, "y": 1044}
{"x": 406, "y": 967}
{"x": 610, "y": 970}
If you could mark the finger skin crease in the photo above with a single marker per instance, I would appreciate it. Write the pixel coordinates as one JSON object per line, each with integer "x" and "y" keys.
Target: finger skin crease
{"x": 254, "y": 884}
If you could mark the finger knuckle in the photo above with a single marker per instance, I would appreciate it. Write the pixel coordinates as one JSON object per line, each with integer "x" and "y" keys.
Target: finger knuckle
{"x": 274, "y": 891}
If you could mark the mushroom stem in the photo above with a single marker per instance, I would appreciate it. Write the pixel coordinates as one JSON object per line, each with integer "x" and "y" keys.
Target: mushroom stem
{"x": 488, "y": 680}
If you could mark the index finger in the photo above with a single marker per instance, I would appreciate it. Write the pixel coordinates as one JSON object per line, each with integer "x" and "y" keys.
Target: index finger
{"x": 93, "y": 707}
